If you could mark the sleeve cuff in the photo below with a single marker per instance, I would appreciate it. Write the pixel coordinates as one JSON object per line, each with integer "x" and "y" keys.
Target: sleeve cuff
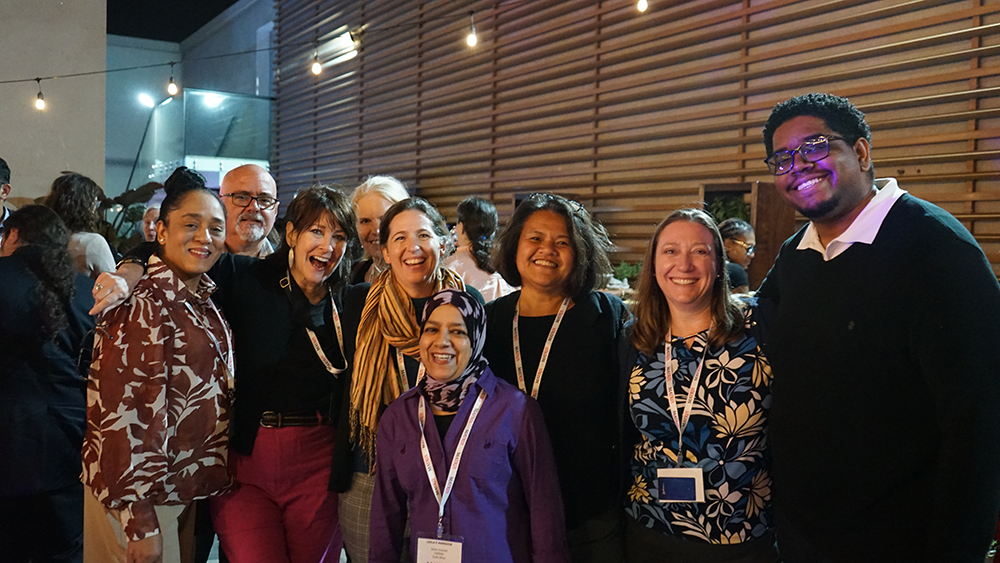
{"x": 139, "y": 520}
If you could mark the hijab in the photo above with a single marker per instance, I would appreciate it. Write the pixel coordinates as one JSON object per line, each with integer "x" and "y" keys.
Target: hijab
{"x": 447, "y": 396}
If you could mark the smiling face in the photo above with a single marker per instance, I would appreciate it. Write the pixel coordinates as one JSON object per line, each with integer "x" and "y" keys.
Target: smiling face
{"x": 250, "y": 224}
{"x": 830, "y": 189}
{"x": 193, "y": 237}
{"x": 316, "y": 252}
{"x": 370, "y": 209}
{"x": 445, "y": 347}
{"x": 686, "y": 266}
{"x": 149, "y": 219}
{"x": 413, "y": 251}
{"x": 545, "y": 253}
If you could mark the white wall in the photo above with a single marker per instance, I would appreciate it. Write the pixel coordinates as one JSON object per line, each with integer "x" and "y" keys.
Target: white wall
{"x": 244, "y": 26}
{"x": 50, "y": 38}
{"x": 126, "y": 116}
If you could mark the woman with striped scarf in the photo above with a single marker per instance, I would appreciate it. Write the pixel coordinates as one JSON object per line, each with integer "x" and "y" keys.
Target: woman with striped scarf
{"x": 414, "y": 241}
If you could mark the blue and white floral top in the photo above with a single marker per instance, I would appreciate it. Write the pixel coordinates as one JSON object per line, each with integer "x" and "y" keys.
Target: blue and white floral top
{"x": 726, "y": 437}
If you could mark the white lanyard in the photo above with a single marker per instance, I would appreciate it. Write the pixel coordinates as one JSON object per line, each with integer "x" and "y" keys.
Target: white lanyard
{"x": 449, "y": 484}
{"x": 681, "y": 421}
{"x": 545, "y": 351}
{"x": 402, "y": 370}
{"x": 228, "y": 357}
{"x": 340, "y": 340}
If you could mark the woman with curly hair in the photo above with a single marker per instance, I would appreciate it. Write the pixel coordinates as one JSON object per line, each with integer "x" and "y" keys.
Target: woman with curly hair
{"x": 564, "y": 330}
{"x": 74, "y": 197}
{"x": 698, "y": 399}
{"x": 45, "y": 328}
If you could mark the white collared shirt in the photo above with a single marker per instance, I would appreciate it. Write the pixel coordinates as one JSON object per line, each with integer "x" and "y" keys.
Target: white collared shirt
{"x": 865, "y": 226}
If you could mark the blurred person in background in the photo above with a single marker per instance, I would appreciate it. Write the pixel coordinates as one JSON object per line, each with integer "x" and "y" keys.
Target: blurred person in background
{"x": 75, "y": 198}
{"x": 371, "y": 200}
{"x": 475, "y": 231}
{"x": 741, "y": 245}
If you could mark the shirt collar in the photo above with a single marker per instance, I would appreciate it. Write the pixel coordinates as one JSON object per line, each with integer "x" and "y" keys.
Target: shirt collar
{"x": 865, "y": 227}
{"x": 157, "y": 269}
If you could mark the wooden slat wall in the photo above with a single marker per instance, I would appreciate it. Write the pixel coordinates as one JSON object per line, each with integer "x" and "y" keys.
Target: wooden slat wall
{"x": 630, "y": 113}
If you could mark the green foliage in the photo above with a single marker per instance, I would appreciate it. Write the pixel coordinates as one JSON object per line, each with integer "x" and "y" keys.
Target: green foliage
{"x": 626, "y": 271}
{"x": 724, "y": 207}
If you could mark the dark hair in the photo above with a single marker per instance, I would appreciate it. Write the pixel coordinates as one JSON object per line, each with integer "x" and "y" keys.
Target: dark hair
{"x": 308, "y": 207}
{"x": 588, "y": 238}
{"x": 4, "y": 172}
{"x": 652, "y": 312}
{"x": 182, "y": 182}
{"x": 838, "y": 113}
{"x": 479, "y": 219}
{"x": 734, "y": 227}
{"x": 74, "y": 198}
{"x": 422, "y": 205}
{"x": 44, "y": 250}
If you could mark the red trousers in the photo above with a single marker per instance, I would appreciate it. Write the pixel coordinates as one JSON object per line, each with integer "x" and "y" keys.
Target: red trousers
{"x": 282, "y": 512}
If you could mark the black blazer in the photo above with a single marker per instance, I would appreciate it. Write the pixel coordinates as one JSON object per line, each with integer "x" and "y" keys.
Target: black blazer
{"x": 43, "y": 401}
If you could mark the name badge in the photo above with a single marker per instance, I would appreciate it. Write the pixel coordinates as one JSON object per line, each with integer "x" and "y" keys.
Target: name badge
{"x": 680, "y": 484}
{"x": 438, "y": 551}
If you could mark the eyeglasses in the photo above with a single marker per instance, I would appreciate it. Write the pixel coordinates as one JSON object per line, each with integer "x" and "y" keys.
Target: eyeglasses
{"x": 813, "y": 150}
{"x": 243, "y": 200}
{"x": 750, "y": 248}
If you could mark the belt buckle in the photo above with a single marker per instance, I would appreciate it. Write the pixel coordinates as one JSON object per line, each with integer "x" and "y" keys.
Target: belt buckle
{"x": 273, "y": 414}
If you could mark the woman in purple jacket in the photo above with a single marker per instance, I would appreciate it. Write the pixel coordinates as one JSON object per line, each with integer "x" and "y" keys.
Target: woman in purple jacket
{"x": 467, "y": 453}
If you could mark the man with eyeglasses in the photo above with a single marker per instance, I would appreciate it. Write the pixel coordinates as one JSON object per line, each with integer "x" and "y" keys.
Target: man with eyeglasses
{"x": 882, "y": 327}
{"x": 250, "y": 196}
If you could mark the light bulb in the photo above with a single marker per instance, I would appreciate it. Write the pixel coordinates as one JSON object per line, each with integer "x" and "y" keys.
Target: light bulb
{"x": 40, "y": 102}
{"x": 172, "y": 87}
{"x": 642, "y": 5}
{"x": 471, "y": 39}
{"x": 317, "y": 68}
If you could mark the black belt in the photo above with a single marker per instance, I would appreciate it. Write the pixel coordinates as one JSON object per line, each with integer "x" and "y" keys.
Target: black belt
{"x": 272, "y": 419}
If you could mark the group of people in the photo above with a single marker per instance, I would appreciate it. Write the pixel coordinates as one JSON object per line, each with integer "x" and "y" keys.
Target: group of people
{"x": 349, "y": 389}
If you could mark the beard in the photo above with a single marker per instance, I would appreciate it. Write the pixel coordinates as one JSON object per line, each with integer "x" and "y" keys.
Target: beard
{"x": 250, "y": 227}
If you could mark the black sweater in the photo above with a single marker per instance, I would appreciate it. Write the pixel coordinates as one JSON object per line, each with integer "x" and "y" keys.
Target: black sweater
{"x": 885, "y": 428}
{"x": 578, "y": 394}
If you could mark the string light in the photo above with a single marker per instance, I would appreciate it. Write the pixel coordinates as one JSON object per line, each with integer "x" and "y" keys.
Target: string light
{"x": 172, "y": 86}
{"x": 316, "y": 68}
{"x": 642, "y": 5}
{"x": 471, "y": 39}
{"x": 40, "y": 100}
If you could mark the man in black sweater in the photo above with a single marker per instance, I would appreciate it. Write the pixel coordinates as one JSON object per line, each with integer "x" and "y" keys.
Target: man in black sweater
{"x": 882, "y": 323}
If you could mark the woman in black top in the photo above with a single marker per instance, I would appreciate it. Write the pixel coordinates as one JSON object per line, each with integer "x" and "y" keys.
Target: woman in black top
{"x": 558, "y": 255}
{"x": 43, "y": 326}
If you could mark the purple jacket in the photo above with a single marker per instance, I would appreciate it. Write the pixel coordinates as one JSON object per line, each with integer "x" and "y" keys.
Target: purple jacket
{"x": 506, "y": 503}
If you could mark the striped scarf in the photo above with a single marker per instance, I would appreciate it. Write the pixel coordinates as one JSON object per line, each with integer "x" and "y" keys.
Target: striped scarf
{"x": 388, "y": 320}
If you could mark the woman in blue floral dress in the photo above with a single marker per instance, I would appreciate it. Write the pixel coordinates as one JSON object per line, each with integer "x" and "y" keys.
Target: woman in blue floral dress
{"x": 694, "y": 364}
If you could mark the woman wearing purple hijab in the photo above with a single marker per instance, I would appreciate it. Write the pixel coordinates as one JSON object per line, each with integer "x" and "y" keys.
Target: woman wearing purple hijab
{"x": 467, "y": 453}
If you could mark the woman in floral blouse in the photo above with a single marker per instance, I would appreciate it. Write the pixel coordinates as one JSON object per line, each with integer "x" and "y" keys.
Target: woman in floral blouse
{"x": 158, "y": 395}
{"x": 701, "y": 494}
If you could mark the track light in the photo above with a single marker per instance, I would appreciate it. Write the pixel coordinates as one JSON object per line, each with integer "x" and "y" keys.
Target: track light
{"x": 471, "y": 39}
{"x": 40, "y": 100}
{"x": 172, "y": 86}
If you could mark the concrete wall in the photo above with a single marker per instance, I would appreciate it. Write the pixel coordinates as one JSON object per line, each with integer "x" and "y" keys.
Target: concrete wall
{"x": 52, "y": 38}
{"x": 245, "y": 26}
{"x": 126, "y": 115}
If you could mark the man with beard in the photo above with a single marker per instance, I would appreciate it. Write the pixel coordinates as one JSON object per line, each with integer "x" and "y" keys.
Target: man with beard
{"x": 250, "y": 196}
{"x": 882, "y": 330}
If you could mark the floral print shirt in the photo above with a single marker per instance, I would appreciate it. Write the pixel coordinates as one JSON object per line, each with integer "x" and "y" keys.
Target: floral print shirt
{"x": 158, "y": 401}
{"x": 725, "y": 437}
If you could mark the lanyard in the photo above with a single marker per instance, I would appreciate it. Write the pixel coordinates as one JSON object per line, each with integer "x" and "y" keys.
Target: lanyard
{"x": 340, "y": 340}
{"x": 226, "y": 358}
{"x": 681, "y": 420}
{"x": 449, "y": 484}
{"x": 286, "y": 283}
{"x": 402, "y": 371}
{"x": 545, "y": 351}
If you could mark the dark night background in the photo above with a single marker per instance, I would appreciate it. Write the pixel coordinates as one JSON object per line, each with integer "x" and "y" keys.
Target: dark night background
{"x": 164, "y": 20}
